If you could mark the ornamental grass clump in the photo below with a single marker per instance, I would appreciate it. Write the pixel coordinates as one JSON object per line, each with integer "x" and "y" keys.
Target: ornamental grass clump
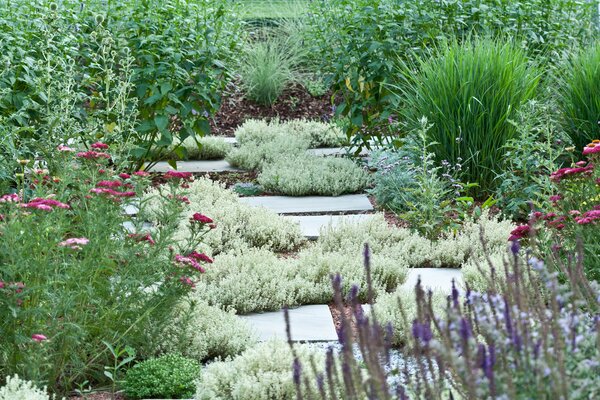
{"x": 469, "y": 92}
{"x": 75, "y": 278}
{"x": 540, "y": 340}
{"x": 578, "y": 83}
{"x": 573, "y": 212}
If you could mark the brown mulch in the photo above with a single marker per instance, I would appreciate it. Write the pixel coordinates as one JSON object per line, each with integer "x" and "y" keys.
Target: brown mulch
{"x": 337, "y": 318}
{"x": 391, "y": 218}
{"x": 295, "y": 102}
{"x": 230, "y": 178}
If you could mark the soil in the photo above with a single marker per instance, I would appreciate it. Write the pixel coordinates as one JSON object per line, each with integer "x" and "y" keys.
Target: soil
{"x": 295, "y": 102}
{"x": 337, "y": 318}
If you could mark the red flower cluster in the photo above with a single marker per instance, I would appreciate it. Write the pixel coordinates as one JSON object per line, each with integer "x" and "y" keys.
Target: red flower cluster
{"x": 189, "y": 261}
{"x": 45, "y": 204}
{"x": 99, "y": 146}
{"x": 200, "y": 257}
{"x": 589, "y": 217}
{"x": 519, "y": 232}
{"x": 178, "y": 175}
{"x": 562, "y": 173}
{"x": 10, "y": 198}
{"x": 92, "y": 155}
{"x": 201, "y": 218}
{"x": 142, "y": 174}
{"x": 109, "y": 184}
{"x": 111, "y": 192}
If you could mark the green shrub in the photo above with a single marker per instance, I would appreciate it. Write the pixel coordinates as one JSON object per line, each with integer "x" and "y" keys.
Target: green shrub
{"x": 356, "y": 42}
{"x": 206, "y": 148}
{"x": 18, "y": 389}
{"x": 78, "y": 280}
{"x": 170, "y": 376}
{"x": 238, "y": 226}
{"x": 261, "y": 373}
{"x": 578, "y": 87}
{"x": 318, "y": 134}
{"x": 312, "y": 175}
{"x": 204, "y": 332}
{"x": 255, "y": 155}
{"x": 469, "y": 93}
{"x": 141, "y": 74}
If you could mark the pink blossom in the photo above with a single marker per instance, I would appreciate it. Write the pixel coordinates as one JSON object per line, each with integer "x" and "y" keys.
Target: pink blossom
{"x": 591, "y": 148}
{"x": 555, "y": 198}
{"x": 142, "y": 238}
{"x": 74, "y": 243}
{"x": 141, "y": 173}
{"x": 178, "y": 175}
{"x": 557, "y": 176}
{"x": 124, "y": 176}
{"x": 200, "y": 257}
{"x": 111, "y": 192}
{"x": 203, "y": 219}
{"x": 10, "y": 198}
{"x": 45, "y": 204}
{"x": 64, "y": 148}
{"x": 38, "y": 337}
{"x": 109, "y": 184}
{"x": 2, "y": 285}
{"x": 92, "y": 155}
{"x": 99, "y": 146}
{"x": 187, "y": 281}
{"x": 519, "y": 232}
{"x": 589, "y": 217}
{"x": 188, "y": 261}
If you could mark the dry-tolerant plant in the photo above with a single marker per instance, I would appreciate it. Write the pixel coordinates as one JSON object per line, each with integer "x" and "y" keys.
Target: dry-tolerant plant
{"x": 312, "y": 175}
{"x": 255, "y": 155}
{"x": 319, "y": 134}
{"x": 18, "y": 389}
{"x": 238, "y": 226}
{"x": 203, "y": 332}
{"x": 260, "y": 373}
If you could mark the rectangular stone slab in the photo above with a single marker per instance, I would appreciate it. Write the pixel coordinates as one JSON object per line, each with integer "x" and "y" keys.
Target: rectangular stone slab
{"x": 434, "y": 278}
{"x": 228, "y": 139}
{"x": 308, "y": 324}
{"x": 311, "y": 225}
{"x": 311, "y": 204}
{"x": 195, "y": 166}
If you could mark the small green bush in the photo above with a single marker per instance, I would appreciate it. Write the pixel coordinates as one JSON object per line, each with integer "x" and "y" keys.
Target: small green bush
{"x": 469, "y": 92}
{"x": 312, "y": 175}
{"x": 255, "y": 155}
{"x": 319, "y": 134}
{"x": 261, "y": 373}
{"x": 198, "y": 148}
{"x": 170, "y": 376}
{"x": 238, "y": 226}
{"x": 203, "y": 332}
{"x": 578, "y": 87}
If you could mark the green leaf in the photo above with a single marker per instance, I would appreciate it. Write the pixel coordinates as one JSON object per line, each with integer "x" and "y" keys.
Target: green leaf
{"x": 161, "y": 122}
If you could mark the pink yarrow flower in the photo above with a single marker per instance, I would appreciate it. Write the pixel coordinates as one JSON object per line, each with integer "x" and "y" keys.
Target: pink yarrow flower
{"x": 139, "y": 237}
{"x": 109, "y": 184}
{"x": 187, "y": 281}
{"x": 203, "y": 219}
{"x": 124, "y": 176}
{"x": 92, "y": 155}
{"x": 45, "y": 204}
{"x": 519, "y": 232}
{"x": 99, "y": 146}
{"x": 200, "y": 257}
{"x": 38, "y": 337}
{"x": 74, "y": 243}
{"x": 65, "y": 149}
{"x": 178, "y": 175}
{"x": 10, "y": 198}
{"x": 562, "y": 173}
{"x": 189, "y": 261}
{"x": 141, "y": 173}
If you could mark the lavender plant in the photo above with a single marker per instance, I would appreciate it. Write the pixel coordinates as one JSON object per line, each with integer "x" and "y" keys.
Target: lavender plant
{"x": 511, "y": 342}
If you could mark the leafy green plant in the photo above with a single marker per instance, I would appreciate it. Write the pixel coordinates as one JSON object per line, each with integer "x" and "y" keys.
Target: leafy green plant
{"x": 80, "y": 278}
{"x": 169, "y": 376}
{"x": 469, "y": 93}
{"x": 578, "y": 83}
{"x": 122, "y": 357}
{"x": 247, "y": 189}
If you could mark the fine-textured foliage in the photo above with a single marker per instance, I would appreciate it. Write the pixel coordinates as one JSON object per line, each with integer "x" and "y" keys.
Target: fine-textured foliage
{"x": 204, "y": 332}
{"x": 18, "y": 389}
{"x": 312, "y": 175}
{"x": 170, "y": 376}
{"x": 199, "y": 148}
{"x": 319, "y": 134}
{"x": 469, "y": 92}
{"x": 238, "y": 226}
{"x": 578, "y": 83}
{"x": 254, "y": 155}
{"x": 261, "y": 373}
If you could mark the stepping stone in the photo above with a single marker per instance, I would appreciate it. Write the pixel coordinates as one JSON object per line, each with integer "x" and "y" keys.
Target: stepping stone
{"x": 228, "y": 139}
{"x": 130, "y": 209}
{"x": 194, "y": 166}
{"x": 308, "y": 324}
{"x": 311, "y": 225}
{"x": 311, "y": 204}
{"x": 434, "y": 278}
